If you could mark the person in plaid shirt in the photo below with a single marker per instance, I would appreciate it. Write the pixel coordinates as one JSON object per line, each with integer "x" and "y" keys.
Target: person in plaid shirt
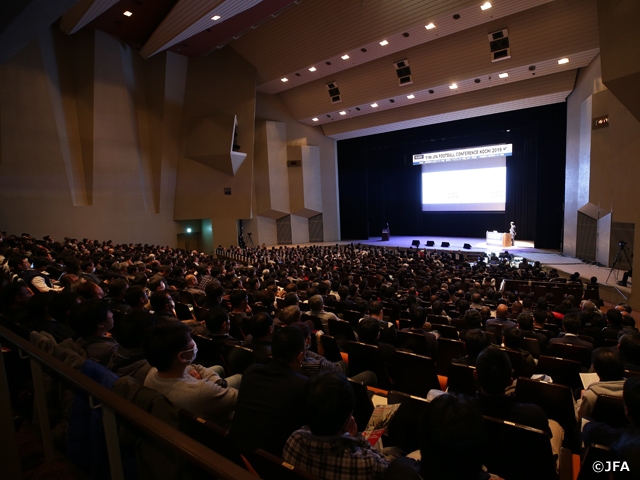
{"x": 330, "y": 447}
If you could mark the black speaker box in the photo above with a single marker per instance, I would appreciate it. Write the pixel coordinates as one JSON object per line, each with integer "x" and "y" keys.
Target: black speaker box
{"x": 445, "y": 244}
{"x": 431, "y": 243}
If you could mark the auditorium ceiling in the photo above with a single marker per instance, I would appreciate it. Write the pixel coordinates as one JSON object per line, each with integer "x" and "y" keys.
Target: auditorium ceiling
{"x": 359, "y": 67}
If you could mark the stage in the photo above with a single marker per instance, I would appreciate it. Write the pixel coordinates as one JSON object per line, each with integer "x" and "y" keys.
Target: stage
{"x": 566, "y": 265}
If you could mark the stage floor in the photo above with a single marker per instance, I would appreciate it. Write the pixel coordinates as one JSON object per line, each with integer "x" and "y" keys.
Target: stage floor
{"x": 566, "y": 265}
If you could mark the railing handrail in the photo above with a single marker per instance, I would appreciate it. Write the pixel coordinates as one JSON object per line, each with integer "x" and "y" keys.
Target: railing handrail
{"x": 185, "y": 446}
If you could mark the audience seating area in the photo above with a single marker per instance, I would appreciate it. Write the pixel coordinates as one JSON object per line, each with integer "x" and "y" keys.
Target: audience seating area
{"x": 430, "y": 306}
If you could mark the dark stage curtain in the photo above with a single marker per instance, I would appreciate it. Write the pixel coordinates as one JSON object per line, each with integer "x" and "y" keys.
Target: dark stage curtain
{"x": 379, "y": 185}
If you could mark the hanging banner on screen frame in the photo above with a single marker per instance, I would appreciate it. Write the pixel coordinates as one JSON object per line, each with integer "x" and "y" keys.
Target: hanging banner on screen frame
{"x": 463, "y": 154}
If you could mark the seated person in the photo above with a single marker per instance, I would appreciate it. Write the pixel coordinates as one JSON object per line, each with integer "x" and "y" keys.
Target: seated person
{"x": 603, "y": 434}
{"x": 330, "y": 447}
{"x": 169, "y": 348}
{"x": 271, "y": 400}
{"x": 261, "y": 328}
{"x": 614, "y": 325}
{"x": 571, "y": 325}
{"x": 494, "y": 376}
{"x": 608, "y": 364}
{"x": 219, "y": 326}
{"x": 625, "y": 451}
{"x": 475, "y": 341}
{"x": 91, "y": 320}
{"x": 129, "y": 358}
{"x": 513, "y": 339}
{"x": 629, "y": 348}
{"x": 451, "y": 429}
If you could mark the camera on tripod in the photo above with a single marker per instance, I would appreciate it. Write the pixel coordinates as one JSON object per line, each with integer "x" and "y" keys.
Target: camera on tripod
{"x": 622, "y": 244}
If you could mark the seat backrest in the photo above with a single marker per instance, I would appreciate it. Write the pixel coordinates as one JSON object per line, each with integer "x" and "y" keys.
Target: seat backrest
{"x": 572, "y": 352}
{"x": 594, "y": 453}
{"x": 364, "y": 357}
{"x": 563, "y": 371}
{"x": 414, "y": 374}
{"x": 209, "y": 352}
{"x": 330, "y": 348}
{"x": 557, "y": 402}
{"x": 341, "y": 330}
{"x": 364, "y": 406}
{"x": 461, "y": 379}
{"x": 610, "y": 410}
{"x": 239, "y": 359}
{"x": 447, "y": 331}
{"x": 531, "y": 345}
{"x": 402, "y": 431}
{"x": 416, "y": 342}
{"x": 183, "y": 312}
{"x": 270, "y": 467}
{"x": 518, "y": 452}
{"x": 447, "y": 351}
{"x": 437, "y": 319}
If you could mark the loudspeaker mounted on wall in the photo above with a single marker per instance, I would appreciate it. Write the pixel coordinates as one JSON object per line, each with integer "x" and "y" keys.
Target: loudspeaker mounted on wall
{"x": 467, "y": 246}
{"x": 445, "y": 244}
{"x": 415, "y": 243}
{"x": 431, "y": 243}
{"x": 499, "y": 45}
{"x": 403, "y": 71}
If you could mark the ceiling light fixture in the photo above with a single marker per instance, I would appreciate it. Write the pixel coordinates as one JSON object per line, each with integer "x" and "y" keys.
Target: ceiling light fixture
{"x": 342, "y": 112}
{"x": 430, "y": 26}
{"x": 345, "y": 57}
{"x": 374, "y": 105}
{"x": 314, "y": 119}
{"x": 411, "y": 97}
{"x": 453, "y": 86}
{"x": 384, "y": 42}
{"x": 215, "y": 17}
{"x": 285, "y": 79}
{"x": 127, "y": 13}
{"x": 562, "y": 61}
{"x": 485, "y": 6}
{"x": 503, "y": 75}
{"x": 312, "y": 69}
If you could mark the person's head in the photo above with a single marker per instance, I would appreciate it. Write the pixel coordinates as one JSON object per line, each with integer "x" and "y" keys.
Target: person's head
{"x": 516, "y": 308}
{"x": 261, "y": 326}
{"x": 437, "y": 307}
{"x": 502, "y": 311}
{"x": 473, "y": 318}
{"x": 614, "y": 318}
{"x": 168, "y": 344}
{"x": 136, "y": 296}
{"x": 190, "y": 281}
{"x": 572, "y": 323}
{"x": 475, "y": 341}
{"x": 40, "y": 263}
{"x": 375, "y": 309}
{"x": 90, "y": 291}
{"x": 330, "y": 403}
{"x": 525, "y": 322}
{"x": 238, "y": 299}
{"x": 214, "y": 291}
{"x": 91, "y": 318}
{"x": 451, "y": 428}
{"x": 161, "y": 303}
{"x": 15, "y": 294}
{"x": 132, "y": 328}
{"x": 369, "y": 330}
{"x": 608, "y": 364}
{"x": 629, "y": 347}
{"x": 288, "y": 346}
{"x": 513, "y": 338}
{"x": 291, "y": 298}
{"x": 117, "y": 287}
{"x": 316, "y": 303}
{"x": 290, "y": 314}
{"x": 88, "y": 266}
{"x": 217, "y": 321}
{"x": 493, "y": 371}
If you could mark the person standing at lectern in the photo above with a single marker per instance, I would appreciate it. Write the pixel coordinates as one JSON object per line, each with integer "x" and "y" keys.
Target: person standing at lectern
{"x": 512, "y": 231}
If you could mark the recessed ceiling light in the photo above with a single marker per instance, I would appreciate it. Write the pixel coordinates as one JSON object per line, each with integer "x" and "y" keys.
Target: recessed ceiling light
{"x": 314, "y": 119}
{"x": 384, "y": 42}
{"x": 374, "y": 105}
{"x": 312, "y": 69}
{"x": 503, "y": 75}
{"x": 562, "y": 61}
{"x": 411, "y": 97}
{"x": 127, "y": 13}
{"x": 430, "y": 26}
{"x": 453, "y": 86}
{"x": 215, "y": 17}
{"x": 485, "y": 6}
{"x": 345, "y": 57}
{"x": 342, "y": 112}
{"x": 285, "y": 79}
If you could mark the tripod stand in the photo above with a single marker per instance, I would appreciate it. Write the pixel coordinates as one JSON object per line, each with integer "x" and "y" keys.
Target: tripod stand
{"x": 622, "y": 251}
{"x": 249, "y": 241}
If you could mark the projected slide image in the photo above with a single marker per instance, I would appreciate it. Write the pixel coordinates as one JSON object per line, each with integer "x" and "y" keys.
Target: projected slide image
{"x": 477, "y": 189}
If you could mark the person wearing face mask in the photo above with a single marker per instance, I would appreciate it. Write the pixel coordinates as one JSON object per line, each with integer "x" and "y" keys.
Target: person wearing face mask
{"x": 170, "y": 350}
